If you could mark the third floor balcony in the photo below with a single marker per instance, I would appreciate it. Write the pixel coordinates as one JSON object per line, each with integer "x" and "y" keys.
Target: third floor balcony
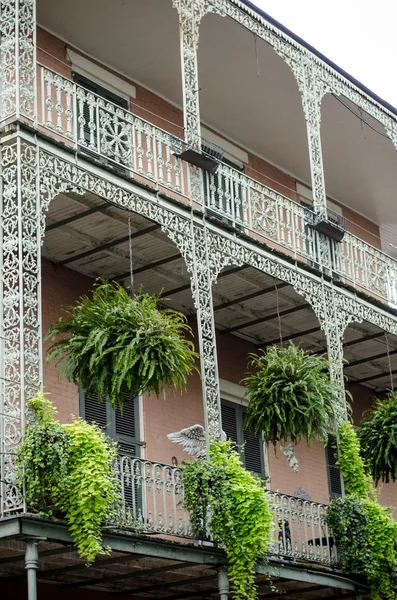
{"x": 109, "y": 86}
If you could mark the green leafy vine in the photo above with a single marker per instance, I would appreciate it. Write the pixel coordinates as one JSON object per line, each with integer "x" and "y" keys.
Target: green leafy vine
{"x": 229, "y": 505}
{"x": 67, "y": 471}
{"x": 365, "y": 532}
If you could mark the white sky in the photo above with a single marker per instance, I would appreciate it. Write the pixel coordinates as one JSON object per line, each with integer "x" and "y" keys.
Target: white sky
{"x": 358, "y": 35}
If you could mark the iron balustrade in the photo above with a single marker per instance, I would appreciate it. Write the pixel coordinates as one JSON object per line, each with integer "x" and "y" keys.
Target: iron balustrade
{"x": 153, "y": 503}
{"x": 134, "y": 146}
{"x": 112, "y": 134}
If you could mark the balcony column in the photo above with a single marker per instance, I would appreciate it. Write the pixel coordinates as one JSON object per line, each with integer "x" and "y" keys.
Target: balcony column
{"x": 204, "y": 273}
{"x": 31, "y": 566}
{"x": 190, "y": 14}
{"x": 223, "y": 584}
{"x": 312, "y": 95}
{"x": 20, "y": 301}
{"x": 18, "y": 60}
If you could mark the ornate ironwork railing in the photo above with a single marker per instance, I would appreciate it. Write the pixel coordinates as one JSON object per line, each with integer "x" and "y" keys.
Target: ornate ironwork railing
{"x": 245, "y": 204}
{"x": 153, "y": 503}
{"x": 118, "y": 138}
{"x": 110, "y": 133}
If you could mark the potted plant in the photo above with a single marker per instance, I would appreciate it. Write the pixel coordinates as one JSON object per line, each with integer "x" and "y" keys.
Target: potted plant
{"x": 378, "y": 440}
{"x": 117, "y": 345}
{"x": 290, "y": 395}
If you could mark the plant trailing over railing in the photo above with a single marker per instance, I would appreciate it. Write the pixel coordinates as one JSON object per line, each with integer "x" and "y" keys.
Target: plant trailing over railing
{"x": 229, "y": 504}
{"x": 378, "y": 440}
{"x": 290, "y": 395}
{"x": 67, "y": 471}
{"x": 365, "y": 533}
{"x": 118, "y": 346}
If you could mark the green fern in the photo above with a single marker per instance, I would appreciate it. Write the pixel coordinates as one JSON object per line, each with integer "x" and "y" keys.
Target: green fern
{"x": 378, "y": 440}
{"x": 290, "y": 395}
{"x": 118, "y": 347}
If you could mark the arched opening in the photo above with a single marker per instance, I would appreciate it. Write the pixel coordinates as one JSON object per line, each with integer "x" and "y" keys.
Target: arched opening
{"x": 87, "y": 238}
{"x": 360, "y": 173}
{"x": 252, "y": 311}
{"x": 371, "y": 371}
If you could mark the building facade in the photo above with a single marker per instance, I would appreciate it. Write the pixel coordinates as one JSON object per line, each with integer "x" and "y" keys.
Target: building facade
{"x": 200, "y": 149}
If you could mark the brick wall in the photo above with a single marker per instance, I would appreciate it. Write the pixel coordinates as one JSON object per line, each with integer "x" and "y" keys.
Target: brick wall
{"x": 175, "y": 411}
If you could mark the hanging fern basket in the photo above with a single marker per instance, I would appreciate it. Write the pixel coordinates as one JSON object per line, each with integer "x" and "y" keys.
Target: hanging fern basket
{"x": 290, "y": 395}
{"x": 117, "y": 346}
{"x": 378, "y": 440}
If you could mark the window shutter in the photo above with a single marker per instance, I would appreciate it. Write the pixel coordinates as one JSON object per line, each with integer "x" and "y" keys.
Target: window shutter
{"x": 334, "y": 474}
{"x": 93, "y": 411}
{"x": 250, "y": 446}
{"x": 253, "y": 452}
{"x": 97, "y": 89}
{"x": 126, "y": 428}
{"x": 229, "y": 422}
{"x": 123, "y": 427}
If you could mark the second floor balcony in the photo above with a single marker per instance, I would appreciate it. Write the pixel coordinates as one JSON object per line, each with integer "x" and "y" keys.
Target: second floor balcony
{"x": 134, "y": 148}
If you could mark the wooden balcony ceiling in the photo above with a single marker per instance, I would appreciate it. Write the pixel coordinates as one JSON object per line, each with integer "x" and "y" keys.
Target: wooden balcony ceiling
{"x": 91, "y": 237}
{"x": 247, "y": 93}
{"x": 140, "y": 577}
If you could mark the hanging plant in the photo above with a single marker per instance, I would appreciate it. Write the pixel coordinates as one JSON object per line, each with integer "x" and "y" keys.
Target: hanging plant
{"x": 365, "y": 533}
{"x": 378, "y": 440}
{"x": 118, "y": 346}
{"x": 229, "y": 505}
{"x": 290, "y": 395}
{"x": 67, "y": 471}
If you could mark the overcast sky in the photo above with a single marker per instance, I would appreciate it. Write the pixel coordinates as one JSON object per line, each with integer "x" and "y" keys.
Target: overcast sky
{"x": 358, "y": 35}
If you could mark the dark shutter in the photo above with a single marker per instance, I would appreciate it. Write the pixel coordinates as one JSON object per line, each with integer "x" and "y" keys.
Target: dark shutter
{"x": 253, "y": 452}
{"x": 94, "y": 411}
{"x": 123, "y": 427}
{"x": 99, "y": 90}
{"x": 250, "y": 446}
{"x": 229, "y": 422}
{"x": 334, "y": 474}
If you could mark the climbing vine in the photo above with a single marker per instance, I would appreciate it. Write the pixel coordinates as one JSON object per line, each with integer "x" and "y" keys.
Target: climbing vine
{"x": 67, "y": 471}
{"x": 229, "y": 505}
{"x": 365, "y": 533}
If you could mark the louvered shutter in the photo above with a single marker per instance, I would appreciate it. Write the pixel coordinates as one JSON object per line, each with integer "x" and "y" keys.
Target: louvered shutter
{"x": 93, "y": 411}
{"x": 334, "y": 474}
{"x": 99, "y": 90}
{"x": 250, "y": 446}
{"x": 229, "y": 422}
{"x": 253, "y": 452}
{"x": 123, "y": 427}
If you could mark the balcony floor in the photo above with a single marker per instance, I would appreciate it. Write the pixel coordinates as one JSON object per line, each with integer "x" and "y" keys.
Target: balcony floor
{"x": 144, "y": 566}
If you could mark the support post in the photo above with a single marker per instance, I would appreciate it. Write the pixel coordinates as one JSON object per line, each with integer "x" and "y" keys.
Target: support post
{"x": 311, "y": 100}
{"x": 21, "y": 230}
{"x": 202, "y": 279}
{"x": 223, "y": 584}
{"x": 18, "y": 60}
{"x": 31, "y": 566}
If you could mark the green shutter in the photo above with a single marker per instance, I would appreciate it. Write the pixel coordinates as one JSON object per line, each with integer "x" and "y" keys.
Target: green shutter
{"x": 250, "y": 446}
{"x": 334, "y": 474}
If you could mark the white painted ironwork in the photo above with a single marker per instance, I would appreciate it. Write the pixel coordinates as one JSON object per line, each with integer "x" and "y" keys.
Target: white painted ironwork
{"x": 17, "y": 59}
{"x": 112, "y": 134}
{"x": 153, "y": 502}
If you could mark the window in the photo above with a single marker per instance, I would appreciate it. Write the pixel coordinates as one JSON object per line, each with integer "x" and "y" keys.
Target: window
{"x": 334, "y": 474}
{"x": 123, "y": 427}
{"x": 89, "y": 114}
{"x": 251, "y": 446}
{"x": 223, "y": 194}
